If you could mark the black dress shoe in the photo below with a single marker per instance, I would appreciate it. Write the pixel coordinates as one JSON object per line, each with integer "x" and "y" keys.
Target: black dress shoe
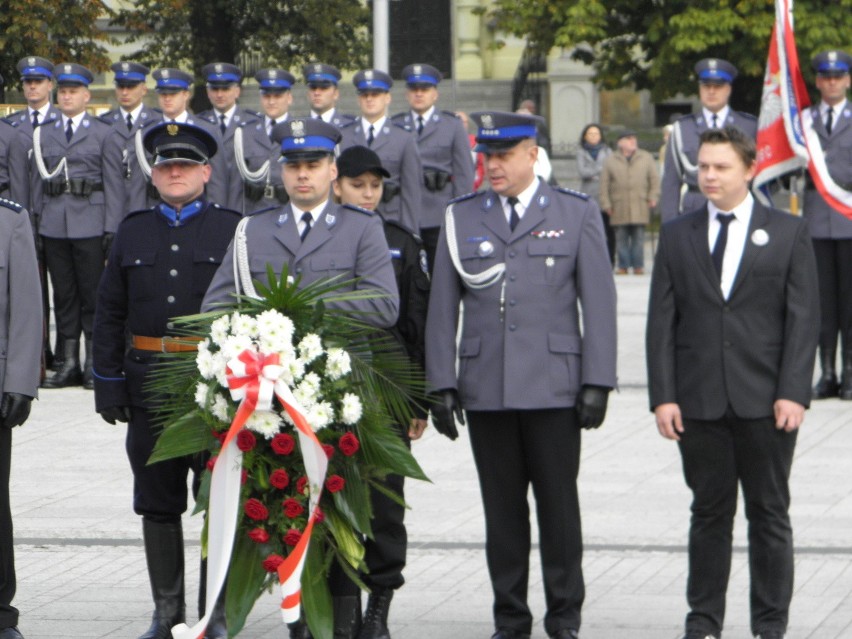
{"x": 698, "y": 634}
{"x": 565, "y": 633}
{"x": 508, "y": 633}
{"x": 10, "y": 633}
{"x": 771, "y": 634}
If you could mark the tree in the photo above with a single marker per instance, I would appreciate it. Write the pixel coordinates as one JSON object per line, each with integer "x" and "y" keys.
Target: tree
{"x": 283, "y": 33}
{"x": 654, "y": 44}
{"x": 59, "y": 30}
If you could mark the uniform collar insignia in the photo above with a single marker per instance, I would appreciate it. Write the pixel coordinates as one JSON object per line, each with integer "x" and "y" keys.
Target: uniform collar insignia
{"x": 282, "y": 219}
{"x": 330, "y": 219}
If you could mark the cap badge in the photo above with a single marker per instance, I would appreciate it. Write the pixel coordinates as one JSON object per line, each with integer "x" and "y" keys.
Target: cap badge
{"x": 31, "y": 62}
{"x": 273, "y": 74}
{"x": 172, "y": 129}
{"x": 487, "y": 121}
{"x": 713, "y": 64}
{"x": 67, "y": 68}
{"x": 317, "y": 68}
{"x": 217, "y": 67}
{"x": 832, "y": 56}
{"x": 125, "y": 67}
{"x": 368, "y": 75}
{"x": 165, "y": 74}
{"x": 418, "y": 69}
{"x": 297, "y": 128}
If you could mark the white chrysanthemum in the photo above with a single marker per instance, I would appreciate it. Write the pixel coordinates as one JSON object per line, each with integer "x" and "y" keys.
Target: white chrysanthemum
{"x": 350, "y": 409}
{"x": 320, "y": 415}
{"x": 286, "y": 417}
{"x": 311, "y": 380}
{"x": 297, "y": 368}
{"x": 244, "y": 325}
{"x": 264, "y": 423}
{"x": 219, "y": 329}
{"x": 273, "y": 321}
{"x": 220, "y": 363}
{"x": 338, "y": 363}
{"x": 306, "y": 395}
{"x": 202, "y": 391}
{"x": 310, "y": 347}
{"x": 206, "y": 364}
{"x": 220, "y": 408}
{"x": 236, "y": 344}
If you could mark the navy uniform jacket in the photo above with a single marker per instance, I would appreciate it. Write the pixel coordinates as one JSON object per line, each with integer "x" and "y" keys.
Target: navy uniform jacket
{"x": 7, "y": 132}
{"x": 532, "y": 355}
{"x": 691, "y": 127}
{"x": 240, "y": 118}
{"x": 155, "y": 272}
{"x": 257, "y": 149}
{"x": 825, "y": 223}
{"x": 346, "y": 242}
{"x": 443, "y": 146}
{"x": 128, "y": 185}
{"x": 67, "y": 216}
{"x": 20, "y": 303}
{"x": 400, "y": 157}
{"x": 21, "y": 182}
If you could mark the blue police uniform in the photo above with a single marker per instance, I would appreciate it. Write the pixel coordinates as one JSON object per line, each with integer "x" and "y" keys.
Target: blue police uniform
{"x": 679, "y": 188}
{"x": 317, "y": 74}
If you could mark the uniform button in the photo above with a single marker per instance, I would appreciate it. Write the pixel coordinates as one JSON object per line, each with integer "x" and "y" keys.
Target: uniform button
{"x": 512, "y": 278}
{"x": 173, "y": 272}
{"x": 175, "y": 247}
{"x": 211, "y": 259}
{"x": 512, "y": 254}
{"x": 299, "y": 270}
{"x": 138, "y": 262}
{"x": 170, "y": 299}
{"x": 170, "y": 325}
{"x": 512, "y": 327}
{"x": 512, "y": 302}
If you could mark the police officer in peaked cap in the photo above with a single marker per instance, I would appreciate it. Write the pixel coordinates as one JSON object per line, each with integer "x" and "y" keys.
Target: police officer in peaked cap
{"x": 322, "y": 80}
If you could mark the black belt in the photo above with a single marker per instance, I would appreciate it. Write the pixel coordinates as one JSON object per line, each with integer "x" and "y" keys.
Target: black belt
{"x": 254, "y": 192}
{"x": 390, "y": 192}
{"x": 76, "y": 187}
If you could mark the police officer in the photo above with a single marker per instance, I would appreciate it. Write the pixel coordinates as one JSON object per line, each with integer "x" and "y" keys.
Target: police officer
{"x": 680, "y": 192}
{"x": 831, "y": 122}
{"x": 523, "y": 257}
{"x": 161, "y": 262}
{"x": 75, "y": 220}
{"x": 21, "y": 336}
{"x": 402, "y": 198}
{"x": 130, "y": 185}
{"x": 323, "y": 93}
{"x": 256, "y": 151}
{"x": 7, "y": 131}
{"x": 444, "y": 150}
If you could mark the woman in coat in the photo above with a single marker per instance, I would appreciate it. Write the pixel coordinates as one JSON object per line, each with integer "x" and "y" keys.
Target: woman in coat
{"x": 591, "y": 156}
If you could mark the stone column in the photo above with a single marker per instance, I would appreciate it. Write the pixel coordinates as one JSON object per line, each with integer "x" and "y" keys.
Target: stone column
{"x": 574, "y": 101}
{"x": 468, "y": 51}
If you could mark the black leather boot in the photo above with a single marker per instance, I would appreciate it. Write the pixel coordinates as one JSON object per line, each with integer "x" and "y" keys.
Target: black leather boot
{"x": 347, "y": 616}
{"x": 846, "y": 380}
{"x": 376, "y": 616}
{"x": 299, "y": 630}
{"x": 69, "y": 374}
{"x": 217, "y": 627}
{"x": 58, "y": 354}
{"x": 164, "y": 554}
{"x": 827, "y": 385}
{"x": 88, "y": 376}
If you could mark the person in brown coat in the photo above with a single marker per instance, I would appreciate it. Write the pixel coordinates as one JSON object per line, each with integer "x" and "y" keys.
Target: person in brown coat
{"x": 630, "y": 187}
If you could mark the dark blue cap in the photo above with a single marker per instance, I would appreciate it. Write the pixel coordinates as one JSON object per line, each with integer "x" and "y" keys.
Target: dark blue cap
{"x": 421, "y": 74}
{"x": 372, "y": 80}
{"x": 272, "y": 80}
{"x": 319, "y": 74}
{"x": 129, "y": 73}
{"x": 72, "y": 74}
{"x": 832, "y": 63}
{"x": 221, "y": 74}
{"x": 179, "y": 142}
{"x": 305, "y": 139}
{"x": 35, "y": 68}
{"x": 499, "y": 130}
{"x": 172, "y": 80}
{"x": 715, "y": 71}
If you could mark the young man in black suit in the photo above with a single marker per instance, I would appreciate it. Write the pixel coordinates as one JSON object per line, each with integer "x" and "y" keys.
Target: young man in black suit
{"x": 732, "y": 326}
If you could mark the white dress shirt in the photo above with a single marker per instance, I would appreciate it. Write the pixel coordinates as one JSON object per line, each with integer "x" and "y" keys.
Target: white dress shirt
{"x": 737, "y": 237}
{"x": 721, "y": 116}
{"x": 134, "y": 114}
{"x": 377, "y": 126}
{"x": 316, "y": 214}
{"x": 228, "y": 115}
{"x": 524, "y": 199}
{"x": 75, "y": 121}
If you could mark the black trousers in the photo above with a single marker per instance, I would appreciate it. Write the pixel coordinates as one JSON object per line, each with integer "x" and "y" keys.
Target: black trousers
{"x": 75, "y": 268}
{"x": 8, "y": 584}
{"x": 834, "y": 270}
{"x": 513, "y": 450}
{"x": 717, "y": 457}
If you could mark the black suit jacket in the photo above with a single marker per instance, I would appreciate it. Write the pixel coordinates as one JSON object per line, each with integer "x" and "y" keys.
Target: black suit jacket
{"x": 706, "y": 353}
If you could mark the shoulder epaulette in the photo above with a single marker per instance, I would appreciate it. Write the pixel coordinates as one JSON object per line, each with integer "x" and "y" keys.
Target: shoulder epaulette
{"x": 9, "y": 204}
{"x": 346, "y": 123}
{"x": 259, "y": 211}
{"x": 578, "y": 194}
{"x": 450, "y": 113}
{"x": 747, "y": 116}
{"x": 399, "y": 116}
{"x": 256, "y": 114}
{"x": 138, "y": 212}
{"x": 225, "y": 209}
{"x": 401, "y": 125}
{"x": 9, "y": 122}
{"x": 462, "y": 198}
{"x": 358, "y": 209}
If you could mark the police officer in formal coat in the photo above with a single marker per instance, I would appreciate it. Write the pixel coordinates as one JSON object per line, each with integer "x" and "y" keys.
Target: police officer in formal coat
{"x": 831, "y": 121}
{"x": 680, "y": 193}
{"x": 130, "y": 185}
{"x": 76, "y": 220}
{"x": 523, "y": 257}
{"x": 161, "y": 263}
{"x": 256, "y": 149}
{"x": 402, "y": 200}
{"x": 20, "y": 354}
{"x": 448, "y": 170}
{"x": 322, "y": 80}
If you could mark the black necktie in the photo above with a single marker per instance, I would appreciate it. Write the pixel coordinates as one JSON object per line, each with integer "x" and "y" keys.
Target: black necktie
{"x": 35, "y": 119}
{"x": 829, "y": 120}
{"x": 69, "y": 131}
{"x": 222, "y": 125}
{"x": 271, "y": 126}
{"x": 307, "y": 218}
{"x": 129, "y": 122}
{"x": 715, "y": 121}
{"x": 370, "y": 136}
{"x": 718, "y": 253}
{"x": 514, "y": 218}
{"x": 419, "y": 124}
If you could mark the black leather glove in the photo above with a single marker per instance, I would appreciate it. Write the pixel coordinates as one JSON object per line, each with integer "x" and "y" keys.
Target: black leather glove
{"x": 591, "y": 405}
{"x": 445, "y": 411}
{"x": 14, "y": 409}
{"x": 106, "y": 243}
{"x": 113, "y": 414}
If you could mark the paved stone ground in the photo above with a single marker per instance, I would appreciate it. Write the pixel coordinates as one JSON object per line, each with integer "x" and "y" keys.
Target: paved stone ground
{"x": 82, "y": 573}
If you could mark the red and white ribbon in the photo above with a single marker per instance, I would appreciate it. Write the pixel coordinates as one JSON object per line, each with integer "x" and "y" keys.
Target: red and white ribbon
{"x": 253, "y": 379}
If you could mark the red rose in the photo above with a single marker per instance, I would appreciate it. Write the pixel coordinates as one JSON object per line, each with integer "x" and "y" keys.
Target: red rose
{"x": 259, "y": 535}
{"x": 335, "y": 483}
{"x": 349, "y": 444}
{"x": 243, "y": 476}
{"x": 220, "y": 435}
{"x": 271, "y": 563}
{"x": 292, "y": 508}
{"x": 279, "y": 478}
{"x": 246, "y": 440}
{"x": 292, "y": 537}
{"x": 300, "y": 485}
{"x": 212, "y": 462}
{"x": 255, "y": 510}
{"x": 319, "y": 515}
{"x": 283, "y": 444}
{"x": 329, "y": 450}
